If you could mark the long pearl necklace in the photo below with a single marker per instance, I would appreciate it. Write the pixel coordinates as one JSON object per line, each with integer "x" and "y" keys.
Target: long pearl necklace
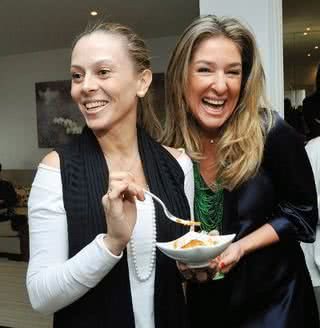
{"x": 143, "y": 276}
{"x": 140, "y": 275}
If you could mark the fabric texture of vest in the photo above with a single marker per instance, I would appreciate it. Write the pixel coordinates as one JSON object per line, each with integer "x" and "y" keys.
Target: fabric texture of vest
{"x": 84, "y": 176}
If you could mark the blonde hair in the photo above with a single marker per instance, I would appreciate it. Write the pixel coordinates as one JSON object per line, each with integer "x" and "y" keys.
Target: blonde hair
{"x": 240, "y": 142}
{"x": 140, "y": 56}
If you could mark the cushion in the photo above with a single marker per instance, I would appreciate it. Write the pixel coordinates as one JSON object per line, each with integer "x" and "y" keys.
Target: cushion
{"x": 23, "y": 195}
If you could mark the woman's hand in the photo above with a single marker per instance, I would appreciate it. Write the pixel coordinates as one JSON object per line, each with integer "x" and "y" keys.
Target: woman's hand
{"x": 200, "y": 275}
{"x": 120, "y": 209}
{"x": 260, "y": 238}
{"x": 223, "y": 263}
{"x": 230, "y": 257}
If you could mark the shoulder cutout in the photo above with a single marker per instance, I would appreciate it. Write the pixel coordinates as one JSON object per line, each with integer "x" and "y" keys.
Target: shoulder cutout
{"x": 52, "y": 159}
{"x": 176, "y": 153}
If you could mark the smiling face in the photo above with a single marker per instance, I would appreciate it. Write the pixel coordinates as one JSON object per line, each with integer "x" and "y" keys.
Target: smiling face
{"x": 214, "y": 82}
{"x": 105, "y": 83}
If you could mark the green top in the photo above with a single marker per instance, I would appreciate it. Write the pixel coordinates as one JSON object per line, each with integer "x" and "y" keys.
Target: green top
{"x": 208, "y": 205}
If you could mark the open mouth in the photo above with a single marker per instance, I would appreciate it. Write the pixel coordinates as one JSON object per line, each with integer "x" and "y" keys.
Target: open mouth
{"x": 214, "y": 104}
{"x": 95, "y": 106}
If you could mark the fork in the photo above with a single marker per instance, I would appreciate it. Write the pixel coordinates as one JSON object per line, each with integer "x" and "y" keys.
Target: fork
{"x": 170, "y": 215}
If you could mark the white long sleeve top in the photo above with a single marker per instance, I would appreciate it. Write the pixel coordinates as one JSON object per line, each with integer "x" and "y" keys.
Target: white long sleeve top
{"x": 54, "y": 281}
{"x": 312, "y": 251}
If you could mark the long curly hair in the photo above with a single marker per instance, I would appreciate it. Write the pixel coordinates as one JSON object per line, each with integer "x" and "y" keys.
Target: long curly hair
{"x": 240, "y": 141}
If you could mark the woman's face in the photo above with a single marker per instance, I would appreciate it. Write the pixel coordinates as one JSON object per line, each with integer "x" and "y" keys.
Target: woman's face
{"x": 105, "y": 83}
{"x": 214, "y": 82}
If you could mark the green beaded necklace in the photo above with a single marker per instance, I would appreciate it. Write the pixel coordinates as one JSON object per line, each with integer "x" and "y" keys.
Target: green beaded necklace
{"x": 208, "y": 205}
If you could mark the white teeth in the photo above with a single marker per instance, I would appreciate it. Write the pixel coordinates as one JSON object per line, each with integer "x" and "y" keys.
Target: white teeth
{"x": 214, "y": 101}
{"x": 95, "y": 104}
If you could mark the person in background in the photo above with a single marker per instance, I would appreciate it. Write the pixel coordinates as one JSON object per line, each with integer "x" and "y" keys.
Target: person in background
{"x": 8, "y": 198}
{"x": 312, "y": 251}
{"x": 252, "y": 178}
{"x": 289, "y": 112}
{"x": 294, "y": 117}
{"x": 93, "y": 232}
{"x": 311, "y": 110}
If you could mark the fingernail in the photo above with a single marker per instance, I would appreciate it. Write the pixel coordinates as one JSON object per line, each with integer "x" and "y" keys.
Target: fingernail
{"x": 222, "y": 265}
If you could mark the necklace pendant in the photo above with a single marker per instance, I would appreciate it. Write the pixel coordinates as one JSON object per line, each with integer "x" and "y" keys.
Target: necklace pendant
{"x": 211, "y": 141}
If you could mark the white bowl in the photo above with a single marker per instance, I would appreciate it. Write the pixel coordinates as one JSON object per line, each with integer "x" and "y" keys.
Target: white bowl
{"x": 195, "y": 257}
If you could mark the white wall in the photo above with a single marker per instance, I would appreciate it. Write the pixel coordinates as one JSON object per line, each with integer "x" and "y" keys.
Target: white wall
{"x": 18, "y": 125}
{"x": 18, "y": 121}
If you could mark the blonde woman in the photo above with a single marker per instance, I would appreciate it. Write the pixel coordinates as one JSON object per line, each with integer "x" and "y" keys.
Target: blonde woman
{"x": 252, "y": 178}
{"x": 93, "y": 232}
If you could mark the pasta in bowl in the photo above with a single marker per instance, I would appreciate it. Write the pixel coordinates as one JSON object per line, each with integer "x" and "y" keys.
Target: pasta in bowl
{"x": 196, "y": 249}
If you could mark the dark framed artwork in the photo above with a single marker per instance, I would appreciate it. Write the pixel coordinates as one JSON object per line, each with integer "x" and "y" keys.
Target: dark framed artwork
{"x": 59, "y": 119}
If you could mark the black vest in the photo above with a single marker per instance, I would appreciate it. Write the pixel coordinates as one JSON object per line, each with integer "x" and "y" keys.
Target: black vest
{"x": 85, "y": 180}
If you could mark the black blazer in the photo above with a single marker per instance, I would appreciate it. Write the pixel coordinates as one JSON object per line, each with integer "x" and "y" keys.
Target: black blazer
{"x": 270, "y": 287}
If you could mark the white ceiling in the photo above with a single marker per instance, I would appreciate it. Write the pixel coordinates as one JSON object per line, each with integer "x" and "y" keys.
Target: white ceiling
{"x": 299, "y": 68}
{"x": 38, "y": 25}
{"x": 297, "y": 15}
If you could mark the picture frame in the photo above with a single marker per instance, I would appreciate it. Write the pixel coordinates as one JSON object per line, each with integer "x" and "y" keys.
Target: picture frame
{"x": 58, "y": 117}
